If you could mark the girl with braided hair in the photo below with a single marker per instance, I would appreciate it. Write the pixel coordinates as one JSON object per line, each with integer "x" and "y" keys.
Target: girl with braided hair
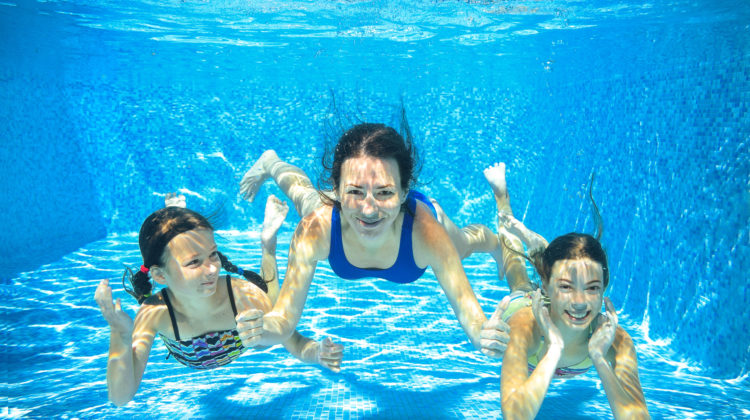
{"x": 205, "y": 320}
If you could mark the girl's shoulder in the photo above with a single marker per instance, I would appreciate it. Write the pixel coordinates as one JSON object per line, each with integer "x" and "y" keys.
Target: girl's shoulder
{"x": 524, "y": 328}
{"x": 153, "y": 314}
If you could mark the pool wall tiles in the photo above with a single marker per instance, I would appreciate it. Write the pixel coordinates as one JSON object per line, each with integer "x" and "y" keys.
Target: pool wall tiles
{"x": 671, "y": 155}
{"x": 669, "y": 148}
{"x": 48, "y": 201}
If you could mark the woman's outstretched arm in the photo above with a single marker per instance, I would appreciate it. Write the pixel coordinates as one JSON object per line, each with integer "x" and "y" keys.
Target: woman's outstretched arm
{"x": 310, "y": 243}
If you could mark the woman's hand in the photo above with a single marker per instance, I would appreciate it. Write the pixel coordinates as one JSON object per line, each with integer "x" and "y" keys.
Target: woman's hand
{"x": 549, "y": 329}
{"x": 604, "y": 332}
{"x": 330, "y": 354}
{"x": 495, "y": 333}
{"x": 119, "y": 321}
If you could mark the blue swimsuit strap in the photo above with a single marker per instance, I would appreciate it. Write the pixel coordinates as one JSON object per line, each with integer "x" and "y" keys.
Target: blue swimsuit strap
{"x": 404, "y": 270}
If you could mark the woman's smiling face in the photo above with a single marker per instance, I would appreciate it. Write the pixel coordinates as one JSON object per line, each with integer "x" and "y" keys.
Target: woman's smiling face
{"x": 575, "y": 290}
{"x": 370, "y": 195}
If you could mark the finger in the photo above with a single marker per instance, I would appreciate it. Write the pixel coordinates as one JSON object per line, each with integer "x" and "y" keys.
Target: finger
{"x": 250, "y": 325}
{"x": 251, "y": 314}
{"x": 118, "y": 306}
{"x": 244, "y": 303}
{"x": 611, "y": 312}
{"x": 334, "y": 352}
{"x": 494, "y": 353}
{"x": 494, "y": 335}
{"x": 500, "y": 309}
{"x": 250, "y": 338}
{"x": 536, "y": 299}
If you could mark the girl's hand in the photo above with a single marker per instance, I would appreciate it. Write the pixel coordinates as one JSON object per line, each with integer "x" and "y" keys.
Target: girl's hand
{"x": 549, "y": 329}
{"x": 249, "y": 322}
{"x": 604, "y": 333}
{"x": 119, "y": 321}
{"x": 494, "y": 336}
{"x": 330, "y": 354}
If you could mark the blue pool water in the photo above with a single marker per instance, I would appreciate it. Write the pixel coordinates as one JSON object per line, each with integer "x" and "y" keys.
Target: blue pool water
{"x": 106, "y": 106}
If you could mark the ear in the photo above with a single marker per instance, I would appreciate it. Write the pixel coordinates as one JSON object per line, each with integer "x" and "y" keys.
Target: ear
{"x": 405, "y": 196}
{"x": 158, "y": 274}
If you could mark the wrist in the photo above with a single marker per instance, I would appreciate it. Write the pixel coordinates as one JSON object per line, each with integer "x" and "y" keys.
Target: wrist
{"x": 597, "y": 356}
{"x": 123, "y": 337}
{"x": 310, "y": 352}
{"x": 268, "y": 244}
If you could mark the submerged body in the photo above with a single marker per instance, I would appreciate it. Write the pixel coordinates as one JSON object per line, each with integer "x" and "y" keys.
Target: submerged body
{"x": 567, "y": 335}
{"x": 197, "y": 306}
{"x": 370, "y": 177}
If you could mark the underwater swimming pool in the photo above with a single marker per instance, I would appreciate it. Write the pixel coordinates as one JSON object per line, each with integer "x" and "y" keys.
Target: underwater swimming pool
{"x": 107, "y": 106}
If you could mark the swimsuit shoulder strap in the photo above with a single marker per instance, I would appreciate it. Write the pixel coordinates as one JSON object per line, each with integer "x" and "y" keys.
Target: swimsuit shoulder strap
{"x": 171, "y": 314}
{"x": 231, "y": 295}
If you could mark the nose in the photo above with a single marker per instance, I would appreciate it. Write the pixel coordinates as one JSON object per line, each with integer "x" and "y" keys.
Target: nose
{"x": 579, "y": 301}
{"x": 369, "y": 207}
{"x": 579, "y": 307}
{"x": 212, "y": 266}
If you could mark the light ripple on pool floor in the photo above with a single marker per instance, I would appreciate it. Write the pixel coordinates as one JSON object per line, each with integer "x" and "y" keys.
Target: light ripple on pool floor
{"x": 405, "y": 353}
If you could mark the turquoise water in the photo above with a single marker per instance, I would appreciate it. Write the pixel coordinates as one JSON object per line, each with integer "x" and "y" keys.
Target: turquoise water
{"x": 108, "y": 106}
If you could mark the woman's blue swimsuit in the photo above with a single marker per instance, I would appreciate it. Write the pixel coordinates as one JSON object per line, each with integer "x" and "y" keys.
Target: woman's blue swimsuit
{"x": 404, "y": 270}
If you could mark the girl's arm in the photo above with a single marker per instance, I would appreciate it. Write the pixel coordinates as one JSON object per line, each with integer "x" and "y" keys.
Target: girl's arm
{"x": 617, "y": 367}
{"x": 310, "y": 243}
{"x": 522, "y": 395}
{"x": 129, "y": 344}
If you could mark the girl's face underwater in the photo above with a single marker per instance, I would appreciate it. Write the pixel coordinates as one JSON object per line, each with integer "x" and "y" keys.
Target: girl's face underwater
{"x": 370, "y": 194}
{"x": 576, "y": 291}
{"x": 193, "y": 264}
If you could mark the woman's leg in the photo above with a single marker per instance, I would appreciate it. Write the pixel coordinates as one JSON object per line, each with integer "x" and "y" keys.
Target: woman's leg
{"x": 273, "y": 218}
{"x": 510, "y": 245}
{"x": 292, "y": 180}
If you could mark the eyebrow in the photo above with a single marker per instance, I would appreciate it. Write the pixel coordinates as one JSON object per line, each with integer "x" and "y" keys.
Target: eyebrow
{"x": 193, "y": 256}
{"x": 377, "y": 187}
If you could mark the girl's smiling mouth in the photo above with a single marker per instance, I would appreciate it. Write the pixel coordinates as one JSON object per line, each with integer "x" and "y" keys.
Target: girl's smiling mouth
{"x": 578, "y": 318}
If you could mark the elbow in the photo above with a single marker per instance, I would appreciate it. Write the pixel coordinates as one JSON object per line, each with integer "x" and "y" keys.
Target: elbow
{"x": 119, "y": 396}
{"x": 516, "y": 408}
{"x": 277, "y": 329}
{"x": 120, "y": 400}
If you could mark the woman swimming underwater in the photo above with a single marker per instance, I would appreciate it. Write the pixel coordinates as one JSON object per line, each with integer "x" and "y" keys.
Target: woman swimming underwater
{"x": 372, "y": 224}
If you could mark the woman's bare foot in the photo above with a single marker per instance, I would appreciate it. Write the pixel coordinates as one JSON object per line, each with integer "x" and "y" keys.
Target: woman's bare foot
{"x": 534, "y": 241}
{"x": 276, "y": 211}
{"x": 174, "y": 200}
{"x": 495, "y": 176}
{"x": 257, "y": 175}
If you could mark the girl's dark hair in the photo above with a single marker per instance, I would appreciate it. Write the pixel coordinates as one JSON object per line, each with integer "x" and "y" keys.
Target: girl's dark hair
{"x": 156, "y": 231}
{"x": 571, "y": 246}
{"x": 375, "y": 140}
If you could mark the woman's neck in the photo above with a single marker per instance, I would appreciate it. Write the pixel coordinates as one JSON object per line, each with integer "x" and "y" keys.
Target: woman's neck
{"x": 372, "y": 251}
